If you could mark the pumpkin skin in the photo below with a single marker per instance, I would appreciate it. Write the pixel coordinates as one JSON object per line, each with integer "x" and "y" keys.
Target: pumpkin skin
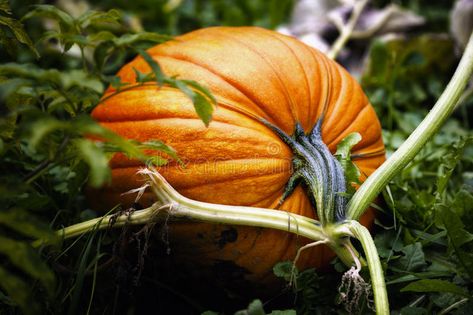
{"x": 253, "y": 73}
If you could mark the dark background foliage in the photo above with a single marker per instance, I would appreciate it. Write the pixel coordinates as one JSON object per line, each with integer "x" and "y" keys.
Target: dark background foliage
{"x": 56, "y": 61}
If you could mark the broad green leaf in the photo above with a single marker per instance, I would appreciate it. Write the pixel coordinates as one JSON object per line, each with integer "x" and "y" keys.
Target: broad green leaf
{"x": 284, "y": 270}
{"x": 388, "y": 242}
{"x": 457, "y": 236}
{"x": 449, "y": 162}
{"x": 19, "y": 292}
{"x": 435, "y": 285}
{"x": 413, "y": 257}
{"x": 97, "y": 161}
{"x": 27, "y": 259}
{"x": 26, "y": 224}
{"x": 17, "y": 29}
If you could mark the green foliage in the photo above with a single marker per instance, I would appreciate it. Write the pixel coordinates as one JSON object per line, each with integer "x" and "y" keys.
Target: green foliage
{"x": 55, "y": 65}
{"x": 51, "y": 149}
{"x": 426, "y": 244}
{"x": 256, "y": 308}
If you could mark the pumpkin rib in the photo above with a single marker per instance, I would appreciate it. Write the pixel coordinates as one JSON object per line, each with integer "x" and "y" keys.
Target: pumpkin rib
{"x": 336, "y": 116}
{"x": 353, "y": 122}
{"x": 234, "y": 85}
{"x": 325, "y": 97}
{"x": 289, "y": 99}
{"x": 305, "y": 76}
{"x": 268, "y": 136}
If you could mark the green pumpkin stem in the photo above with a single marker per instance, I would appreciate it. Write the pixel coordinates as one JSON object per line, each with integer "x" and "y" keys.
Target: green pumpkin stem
{"x": 314, "y": 164}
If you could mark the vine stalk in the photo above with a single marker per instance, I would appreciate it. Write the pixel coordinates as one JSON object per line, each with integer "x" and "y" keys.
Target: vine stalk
{"x": 445, "y": 105}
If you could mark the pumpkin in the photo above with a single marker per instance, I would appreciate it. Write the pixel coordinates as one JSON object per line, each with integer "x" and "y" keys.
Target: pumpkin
{"x": 260, "y": 79}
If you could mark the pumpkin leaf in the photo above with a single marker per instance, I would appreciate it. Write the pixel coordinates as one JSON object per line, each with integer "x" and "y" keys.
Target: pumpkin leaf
{"x": 97, "y": 161}
{"x": 435, "y": 285}
{"x": 413, "y": 257}
{"x": 457, "y": 236}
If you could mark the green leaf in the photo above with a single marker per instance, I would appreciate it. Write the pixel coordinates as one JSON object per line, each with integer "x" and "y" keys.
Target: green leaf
{"x": 202, "y": 104}
{"x": 96, "y": 159}
{"x": 160, "y": 146}
{"x": 284, "y": 270}
{"x": 343, "y": 155}
{"x": 26, "y": 224}
{"x": 143, "y": 77}
{"x": 457, "y": 236}
{"x": 65, "y": 20}
{"x": 19, "y": 291}
{"x": 155, "y": 68}
{"x": 17, "y": 29}
{"x": 25, "y": 258}
{"x": 254, "y": 308}
{"x": 91, "y": 18}
{"x": 435, "y": 285}
{"x": 5, "y": 6}
{"x": 131, "y": 39}
{"x": 117, "y": 83}
{"x": 387, "y": 242}
{"x": 413, "y": 257}
{"x": 201, "y": 89}
{"x": 41, "y": 128}
{"x": 449, "y": 162}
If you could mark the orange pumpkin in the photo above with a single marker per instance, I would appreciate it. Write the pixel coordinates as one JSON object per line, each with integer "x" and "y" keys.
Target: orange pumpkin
{"x": 254, "y": 74}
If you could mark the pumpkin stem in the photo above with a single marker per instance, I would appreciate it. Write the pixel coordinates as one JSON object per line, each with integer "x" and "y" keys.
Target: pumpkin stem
{"x": 314, "y": 164}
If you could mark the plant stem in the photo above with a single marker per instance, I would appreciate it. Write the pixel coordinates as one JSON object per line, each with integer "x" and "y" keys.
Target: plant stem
{"x": 179, "y": 207}
{"x": 347, "y": 29}
{"x": 374, "y": 265}
{"x": 423, "y": 133}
